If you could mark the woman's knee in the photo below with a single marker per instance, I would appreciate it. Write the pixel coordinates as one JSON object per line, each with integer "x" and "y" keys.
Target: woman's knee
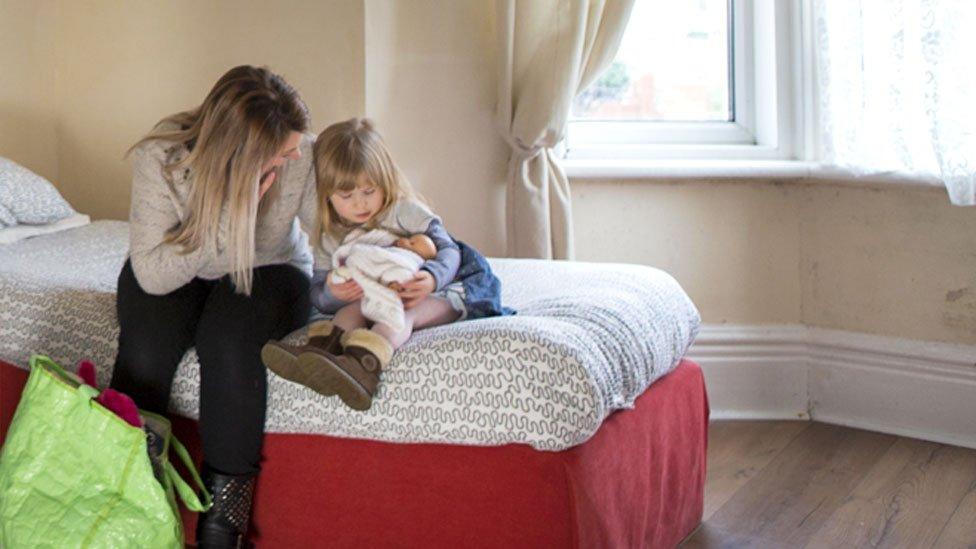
{"x": 280, "y": 283}
{"x": 279, "y": 303}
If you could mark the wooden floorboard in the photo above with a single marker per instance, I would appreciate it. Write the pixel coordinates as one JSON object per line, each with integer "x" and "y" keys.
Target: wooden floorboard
{"x": 712, "y": 537}
{"x": 905, "y": 500}
{"x": 803, "y": 484}
{"x": 738, "y": 450}
{"x": 960, "y": 531}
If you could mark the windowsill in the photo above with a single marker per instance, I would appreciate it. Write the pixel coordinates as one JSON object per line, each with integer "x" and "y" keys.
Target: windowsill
{"x": 733, "y": 170}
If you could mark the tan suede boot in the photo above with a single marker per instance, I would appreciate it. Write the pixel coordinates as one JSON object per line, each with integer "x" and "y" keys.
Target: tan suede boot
{"x": 323, "y": 337}
{"x": 355, "y": 374}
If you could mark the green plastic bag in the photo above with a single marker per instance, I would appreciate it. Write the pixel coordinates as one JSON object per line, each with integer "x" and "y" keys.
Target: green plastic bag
{"x": 74, "y": 474}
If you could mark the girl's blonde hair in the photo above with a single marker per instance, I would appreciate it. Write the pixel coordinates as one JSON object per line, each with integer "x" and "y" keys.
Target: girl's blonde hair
{"x": 347, "y": 154}
{"x": 242, "y": 124}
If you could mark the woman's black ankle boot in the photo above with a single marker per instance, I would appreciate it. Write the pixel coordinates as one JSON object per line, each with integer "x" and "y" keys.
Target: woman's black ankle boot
{"x": 225, "y": 525}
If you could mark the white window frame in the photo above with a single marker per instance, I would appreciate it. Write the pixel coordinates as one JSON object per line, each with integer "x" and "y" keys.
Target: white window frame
{"x": 766, "y": 39}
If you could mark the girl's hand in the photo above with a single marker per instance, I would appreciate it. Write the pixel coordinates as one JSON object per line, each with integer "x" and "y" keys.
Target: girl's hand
{"x": 348, "y": 291}
{"x": 414, "y": 291}
{"x": 266, "y": 182}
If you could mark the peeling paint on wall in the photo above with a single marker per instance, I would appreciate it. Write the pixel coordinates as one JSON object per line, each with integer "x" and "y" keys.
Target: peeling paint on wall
{"x": 955, "y": 295}
{"x": 960, "y": 308}
{"x": 896, "y": 261}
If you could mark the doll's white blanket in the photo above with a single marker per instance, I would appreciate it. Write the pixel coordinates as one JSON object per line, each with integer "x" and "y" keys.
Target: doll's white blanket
{"x": 371, "y": 259}
{"x": 588, "y": 339}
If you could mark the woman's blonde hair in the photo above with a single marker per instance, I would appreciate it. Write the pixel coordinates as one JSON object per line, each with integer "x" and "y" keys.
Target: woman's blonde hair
{"x": 347, "y": 154}
{"x": 242, "y": 124}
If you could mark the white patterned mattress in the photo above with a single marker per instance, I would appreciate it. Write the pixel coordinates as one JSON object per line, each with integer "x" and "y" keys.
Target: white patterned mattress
{"x": 589, "y": 339}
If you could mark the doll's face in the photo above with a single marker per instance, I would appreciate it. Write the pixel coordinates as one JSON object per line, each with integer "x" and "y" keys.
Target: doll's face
{"x": 420, "y": 244}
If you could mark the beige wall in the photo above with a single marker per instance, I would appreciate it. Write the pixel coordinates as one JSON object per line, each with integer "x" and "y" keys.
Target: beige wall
{"x": 27, "y": 120}
{"x": 734, "y": 247}
{"x": 898, "y": 261}
{"x": 123, "y": 65}
{"x": 430, "y": 87}
{"x": 895, "y": 260}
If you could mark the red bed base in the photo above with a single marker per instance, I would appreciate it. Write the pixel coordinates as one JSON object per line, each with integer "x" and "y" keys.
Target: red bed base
{"x": 637, "y": 483}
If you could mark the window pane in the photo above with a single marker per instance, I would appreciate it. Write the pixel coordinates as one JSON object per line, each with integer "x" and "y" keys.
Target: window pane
{"x": 673, "y": 64}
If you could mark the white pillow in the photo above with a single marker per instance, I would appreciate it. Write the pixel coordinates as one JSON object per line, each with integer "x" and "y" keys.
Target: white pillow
{"x": 20, "y": 232}
{"x": 7, "y": 218}
{"x": 31, "y": 199}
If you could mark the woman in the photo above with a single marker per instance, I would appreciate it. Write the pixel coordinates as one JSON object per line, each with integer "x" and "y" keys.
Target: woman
{"x": 217, "y": 261}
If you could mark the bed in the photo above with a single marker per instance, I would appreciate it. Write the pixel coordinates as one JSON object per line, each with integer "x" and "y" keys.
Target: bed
{"x": 550, "y": 428}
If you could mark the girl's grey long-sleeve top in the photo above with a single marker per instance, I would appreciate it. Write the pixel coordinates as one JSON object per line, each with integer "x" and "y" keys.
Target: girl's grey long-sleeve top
{"x": 407, "y": 217}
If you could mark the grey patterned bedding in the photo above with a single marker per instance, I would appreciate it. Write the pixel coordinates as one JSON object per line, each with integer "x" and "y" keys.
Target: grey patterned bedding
{"x": 588, "y": 339}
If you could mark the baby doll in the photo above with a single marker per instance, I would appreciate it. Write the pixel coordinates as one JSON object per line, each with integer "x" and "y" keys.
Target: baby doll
{"x": 420, "y": 244}
{"x": 379, "y": 262}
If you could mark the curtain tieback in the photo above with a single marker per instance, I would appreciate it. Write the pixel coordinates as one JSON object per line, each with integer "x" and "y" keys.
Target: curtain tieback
{"x": 525, "y": 152}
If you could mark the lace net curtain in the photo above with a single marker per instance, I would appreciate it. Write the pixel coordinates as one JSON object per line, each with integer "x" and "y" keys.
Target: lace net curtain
{"x": 896, "y": 81}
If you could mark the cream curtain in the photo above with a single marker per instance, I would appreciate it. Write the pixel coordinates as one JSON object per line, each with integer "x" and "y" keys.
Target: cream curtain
{"x": 896, "y": 84}
{"x": 550, "y": 51}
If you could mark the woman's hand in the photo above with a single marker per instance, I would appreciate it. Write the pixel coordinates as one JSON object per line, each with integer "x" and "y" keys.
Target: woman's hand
{"x": 348, "y": 291}
{"x": 266, "y": 182}
{"x": 414, "y": 291}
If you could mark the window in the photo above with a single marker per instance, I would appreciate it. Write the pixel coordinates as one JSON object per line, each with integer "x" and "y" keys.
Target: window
{"x": 649, "y": 81}
{"x": 702, "y": 79}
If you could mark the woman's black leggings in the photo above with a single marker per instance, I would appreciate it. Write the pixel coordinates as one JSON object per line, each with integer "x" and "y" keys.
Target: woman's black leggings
{"x": 228, "y": 330}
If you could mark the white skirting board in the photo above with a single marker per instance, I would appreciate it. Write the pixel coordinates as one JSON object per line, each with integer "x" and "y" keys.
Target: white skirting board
{"x": 919, "y": 389}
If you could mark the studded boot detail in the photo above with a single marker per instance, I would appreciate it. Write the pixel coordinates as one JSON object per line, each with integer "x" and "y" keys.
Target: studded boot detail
{"x": 225, "y": 525}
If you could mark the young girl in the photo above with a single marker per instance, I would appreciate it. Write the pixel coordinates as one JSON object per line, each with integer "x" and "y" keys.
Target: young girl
{"x": 360, "y": 187}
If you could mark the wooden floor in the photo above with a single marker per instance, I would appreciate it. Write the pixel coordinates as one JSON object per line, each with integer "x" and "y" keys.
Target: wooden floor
{"x": 803, "y": 484}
